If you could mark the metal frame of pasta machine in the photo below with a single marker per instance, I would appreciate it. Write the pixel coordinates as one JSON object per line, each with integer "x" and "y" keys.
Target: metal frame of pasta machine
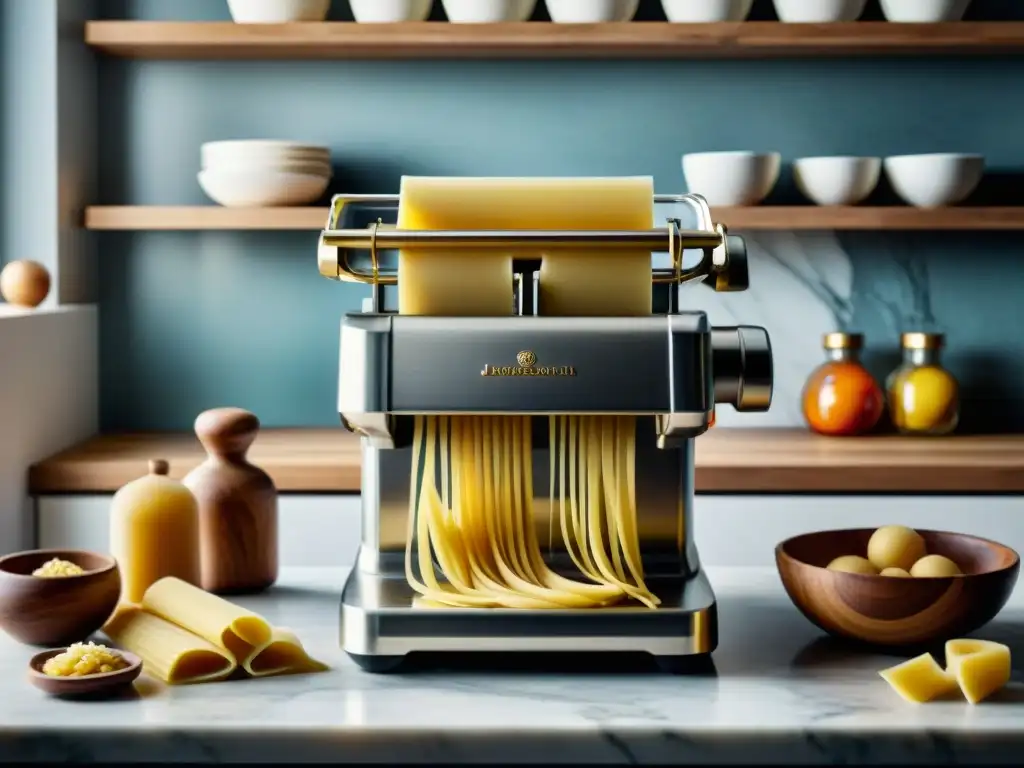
{"x": 669, "y": 369}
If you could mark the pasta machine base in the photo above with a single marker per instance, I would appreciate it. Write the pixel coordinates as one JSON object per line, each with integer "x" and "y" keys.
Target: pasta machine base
{"x": 380, "y": 626}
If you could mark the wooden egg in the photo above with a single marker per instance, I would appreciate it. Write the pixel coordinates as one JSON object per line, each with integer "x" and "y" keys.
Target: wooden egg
{"x": 24, "y": 283}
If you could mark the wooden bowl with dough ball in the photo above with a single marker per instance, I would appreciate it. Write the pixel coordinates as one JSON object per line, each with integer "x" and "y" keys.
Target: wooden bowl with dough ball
{"x": 897, "y": 609}
{"x": 57, "y": 610}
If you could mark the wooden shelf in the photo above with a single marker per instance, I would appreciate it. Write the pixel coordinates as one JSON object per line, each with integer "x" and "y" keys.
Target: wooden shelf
{"x": 637, "y": 40}
{"x": 805, "y": 217}
{"x": 728, "y": 460}
{"x": 202, "y": 217}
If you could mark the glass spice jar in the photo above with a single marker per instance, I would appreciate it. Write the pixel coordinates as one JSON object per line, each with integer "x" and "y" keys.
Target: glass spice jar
{"x": 841, "y": 397}
{"x": 924, "y": 398}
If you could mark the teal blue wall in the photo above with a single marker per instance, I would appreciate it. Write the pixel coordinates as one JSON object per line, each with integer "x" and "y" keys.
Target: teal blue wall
{"x": 194, "y": 320}
{"x": 28, "y": 66}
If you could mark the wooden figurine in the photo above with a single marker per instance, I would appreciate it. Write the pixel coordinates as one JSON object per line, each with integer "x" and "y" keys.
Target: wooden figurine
{"x": 237, "y": 506}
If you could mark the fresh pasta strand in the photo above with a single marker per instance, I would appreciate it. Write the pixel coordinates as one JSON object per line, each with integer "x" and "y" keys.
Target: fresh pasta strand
{"x": 480, "y": 549}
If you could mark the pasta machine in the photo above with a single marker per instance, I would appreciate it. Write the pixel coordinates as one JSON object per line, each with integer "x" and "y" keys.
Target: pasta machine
{"x": 669, "y": 369}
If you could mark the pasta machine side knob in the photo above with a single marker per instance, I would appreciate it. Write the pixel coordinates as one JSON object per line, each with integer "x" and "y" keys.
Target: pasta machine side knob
{"x": 742, "y": 366}
{"x": 729, "y": 272}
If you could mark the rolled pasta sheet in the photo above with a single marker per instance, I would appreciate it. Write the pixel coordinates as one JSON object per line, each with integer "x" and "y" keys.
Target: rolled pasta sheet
{"x": 213, "y": 618}
{"x": 282, "y": 655}
{"x": 169, "y": 652}
{"x": 479, "y": 283}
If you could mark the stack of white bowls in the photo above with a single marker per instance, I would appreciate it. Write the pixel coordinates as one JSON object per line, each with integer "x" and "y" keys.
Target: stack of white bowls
{"x": 261, "y": 173}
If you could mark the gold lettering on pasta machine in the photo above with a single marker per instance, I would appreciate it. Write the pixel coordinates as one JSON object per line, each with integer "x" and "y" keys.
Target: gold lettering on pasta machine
{"x": 526, "y": 365}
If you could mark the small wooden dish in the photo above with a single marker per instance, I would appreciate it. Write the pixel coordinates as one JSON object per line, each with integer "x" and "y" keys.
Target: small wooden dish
{"x": 892, "y": 611}
{"x": 90, "y": 685}
{"x": 59, "y": 610}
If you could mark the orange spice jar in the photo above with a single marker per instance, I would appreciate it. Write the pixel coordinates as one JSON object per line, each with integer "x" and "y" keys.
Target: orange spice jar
{"x": 841, "y": 397}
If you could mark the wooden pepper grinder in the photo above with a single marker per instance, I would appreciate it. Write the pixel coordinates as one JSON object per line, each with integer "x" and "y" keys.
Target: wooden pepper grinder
{"x": 237, "y": 506}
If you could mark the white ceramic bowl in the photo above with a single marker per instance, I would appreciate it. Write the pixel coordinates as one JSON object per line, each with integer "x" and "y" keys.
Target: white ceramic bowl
{"x": 389, "y": 11}
{"x": 936, "y": 180}
{"x": 260, "y": 188}
{"x": 837, "y": 180}
{"x": 706, "y": 11}
{"x": 260, "y": 151}
{"x": 487, "y": 11}
{"x": 819, "y": 11}
{"x": 924, "y": 11}
{"x": 591, "y": 11}
{"x": 731, "y": 178}
{"x": 278, "y": 11}
{"x": 276, "y": 166}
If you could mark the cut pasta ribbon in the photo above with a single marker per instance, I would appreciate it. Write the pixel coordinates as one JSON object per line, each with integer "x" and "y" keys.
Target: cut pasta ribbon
{"x": 483, "y": 535}
{"x": 179, "y": 630}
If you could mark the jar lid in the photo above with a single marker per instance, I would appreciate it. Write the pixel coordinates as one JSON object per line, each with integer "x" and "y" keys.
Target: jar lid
{"x": 921, "y": 340}
{"x": 843, "y": 340}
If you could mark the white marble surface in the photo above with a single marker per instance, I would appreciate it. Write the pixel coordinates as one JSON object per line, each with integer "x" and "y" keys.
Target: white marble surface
{"x": 782, "y": 693}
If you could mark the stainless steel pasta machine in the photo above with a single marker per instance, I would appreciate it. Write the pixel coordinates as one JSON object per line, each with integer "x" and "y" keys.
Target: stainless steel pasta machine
{"x": 670, "y": 370}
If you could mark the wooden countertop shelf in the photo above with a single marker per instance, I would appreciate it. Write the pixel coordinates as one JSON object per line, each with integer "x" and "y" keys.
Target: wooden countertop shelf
{"x": 635, "y": 40}
{"x": 803, "y": 217}
{"x": 728, "y": 460}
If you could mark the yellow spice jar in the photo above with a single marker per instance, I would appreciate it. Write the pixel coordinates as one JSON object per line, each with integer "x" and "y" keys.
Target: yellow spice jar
{"x": 924, "y": 398}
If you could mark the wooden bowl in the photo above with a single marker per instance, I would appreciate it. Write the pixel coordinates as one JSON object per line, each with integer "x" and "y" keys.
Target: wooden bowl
{"x": 91, "y": 685}
{"x": 60, "y": 610}
{"x": 892, "y": 611}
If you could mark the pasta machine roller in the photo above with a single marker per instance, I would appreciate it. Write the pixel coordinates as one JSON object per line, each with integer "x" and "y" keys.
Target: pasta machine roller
{"x": 669, "y": 370}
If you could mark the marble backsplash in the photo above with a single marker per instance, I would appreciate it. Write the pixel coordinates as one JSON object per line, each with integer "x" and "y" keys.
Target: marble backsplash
{"x": 804, "y": 285}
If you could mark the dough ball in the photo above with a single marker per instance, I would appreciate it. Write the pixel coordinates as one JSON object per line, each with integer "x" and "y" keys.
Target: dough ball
{"x": 896, "y": 573}
{"x": 853, "y": 564}
{"x": 895, "y": 546}
{"x": 935, "y": 566}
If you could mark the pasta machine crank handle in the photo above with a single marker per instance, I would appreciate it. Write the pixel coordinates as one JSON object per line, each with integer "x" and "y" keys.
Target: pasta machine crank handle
{"x": 729, "y": 270}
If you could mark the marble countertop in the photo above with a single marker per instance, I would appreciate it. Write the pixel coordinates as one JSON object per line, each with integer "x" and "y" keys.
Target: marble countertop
{"x": 781, "y": 693}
